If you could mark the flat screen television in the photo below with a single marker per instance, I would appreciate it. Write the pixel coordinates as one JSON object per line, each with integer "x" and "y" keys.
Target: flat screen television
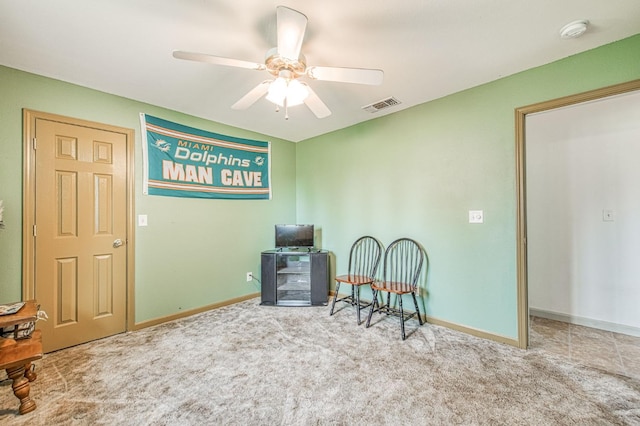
{"x": 294, "y": 236}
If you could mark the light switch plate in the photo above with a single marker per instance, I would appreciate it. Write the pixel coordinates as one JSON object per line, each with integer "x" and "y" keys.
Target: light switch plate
{"x": 142, "y": 220}
{"x": 476, "y": 216}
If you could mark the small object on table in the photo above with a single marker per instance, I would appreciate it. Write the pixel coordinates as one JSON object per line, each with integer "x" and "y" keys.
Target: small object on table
{"x": 11, "y": 308}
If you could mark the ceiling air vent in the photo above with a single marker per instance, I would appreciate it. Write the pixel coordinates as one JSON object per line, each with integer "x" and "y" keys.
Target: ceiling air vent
{"x": 385, "y": 103}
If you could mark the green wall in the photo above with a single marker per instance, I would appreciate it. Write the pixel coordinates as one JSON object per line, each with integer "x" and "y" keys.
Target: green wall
{"x": 418, "y": 172}
{"x": 194, "y": 252}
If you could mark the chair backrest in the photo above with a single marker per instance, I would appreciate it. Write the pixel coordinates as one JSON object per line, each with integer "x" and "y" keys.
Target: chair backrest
{"x": 364, "y": 256}
{"x": 403, "y": 262}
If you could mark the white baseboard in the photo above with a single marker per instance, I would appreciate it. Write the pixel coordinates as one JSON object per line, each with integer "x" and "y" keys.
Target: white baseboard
{"x": 587, "y": 322}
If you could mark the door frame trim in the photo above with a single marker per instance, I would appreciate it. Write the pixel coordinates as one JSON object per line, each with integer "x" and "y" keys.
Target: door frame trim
{"x": 29, "y": 118}
{"x": 521, "y": 199}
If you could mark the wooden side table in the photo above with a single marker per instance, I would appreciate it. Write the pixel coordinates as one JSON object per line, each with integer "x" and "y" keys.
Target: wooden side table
{"x": 16, "y": 356}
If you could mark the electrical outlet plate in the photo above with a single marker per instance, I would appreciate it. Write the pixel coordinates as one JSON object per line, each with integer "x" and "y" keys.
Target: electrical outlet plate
{"x": 476, "y": 216}
{"x": 249, "y": 276}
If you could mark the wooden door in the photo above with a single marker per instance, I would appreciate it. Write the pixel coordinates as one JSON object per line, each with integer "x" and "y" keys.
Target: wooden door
{"x": 80, "y": 232}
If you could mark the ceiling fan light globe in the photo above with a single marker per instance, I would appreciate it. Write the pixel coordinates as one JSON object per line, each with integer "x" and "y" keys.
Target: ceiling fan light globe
{"x": 277, "y": 91}
{"x": 292, "y": 90}
{"x": 296, "y": 93}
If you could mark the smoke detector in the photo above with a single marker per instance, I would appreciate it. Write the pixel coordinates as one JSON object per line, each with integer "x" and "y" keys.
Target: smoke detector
{"x": 574, "y": 29}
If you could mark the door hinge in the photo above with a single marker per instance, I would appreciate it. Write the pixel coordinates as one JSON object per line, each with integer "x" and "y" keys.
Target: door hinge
{"x": 35, "y": 144}
{"x": 34, "y": 231}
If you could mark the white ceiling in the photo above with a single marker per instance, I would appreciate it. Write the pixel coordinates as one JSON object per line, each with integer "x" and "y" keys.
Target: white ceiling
{"x": 427, "y": 49}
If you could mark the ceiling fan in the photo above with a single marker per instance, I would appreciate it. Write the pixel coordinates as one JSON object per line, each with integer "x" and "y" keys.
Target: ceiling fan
{"x": 288, "y": 65}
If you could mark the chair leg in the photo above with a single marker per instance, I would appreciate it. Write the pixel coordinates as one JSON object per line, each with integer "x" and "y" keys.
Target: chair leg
{"x": 415, "y": 302}
{"x": 401, "y": 317}
{"x": 374, "y": 303}
{"x": 357, "y": 293}
{"x": 335, "y": 296}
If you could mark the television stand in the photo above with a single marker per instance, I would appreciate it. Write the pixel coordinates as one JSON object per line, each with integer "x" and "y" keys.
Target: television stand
{"x": 296, "y": 249}
{"x": 295, "y": 278}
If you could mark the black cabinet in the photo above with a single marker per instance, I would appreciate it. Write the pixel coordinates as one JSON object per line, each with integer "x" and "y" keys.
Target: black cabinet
{"x": 295, "y": 278}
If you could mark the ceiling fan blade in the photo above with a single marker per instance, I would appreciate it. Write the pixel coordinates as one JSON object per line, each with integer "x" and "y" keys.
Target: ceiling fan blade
{"x": 291, "y": 26}
{"x": 217, "y": 60}
{"x": 347, "y": 75}
{"x": 315, "y": 104}
{"x": 254, "y": 94}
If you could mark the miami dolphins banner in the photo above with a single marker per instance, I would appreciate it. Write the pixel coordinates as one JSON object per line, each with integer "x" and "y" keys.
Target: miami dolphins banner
{"x": 181, "y": 161}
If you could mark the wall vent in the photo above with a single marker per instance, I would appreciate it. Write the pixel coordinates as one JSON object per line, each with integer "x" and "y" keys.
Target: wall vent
{"x": 385, "y": 103}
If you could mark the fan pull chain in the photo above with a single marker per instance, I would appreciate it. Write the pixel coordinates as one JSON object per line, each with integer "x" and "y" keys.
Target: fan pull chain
{"x": 286, "y": 109}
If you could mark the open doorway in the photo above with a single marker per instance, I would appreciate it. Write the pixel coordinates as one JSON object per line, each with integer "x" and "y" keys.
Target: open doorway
{"x": 523, "y": 174}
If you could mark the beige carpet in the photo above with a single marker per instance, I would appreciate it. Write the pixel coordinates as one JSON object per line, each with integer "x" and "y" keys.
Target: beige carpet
{"x": 251, "y": 365}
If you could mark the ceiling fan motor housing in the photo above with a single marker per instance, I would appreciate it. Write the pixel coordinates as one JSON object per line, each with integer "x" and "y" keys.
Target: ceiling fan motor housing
{"x": 276, "y": 63}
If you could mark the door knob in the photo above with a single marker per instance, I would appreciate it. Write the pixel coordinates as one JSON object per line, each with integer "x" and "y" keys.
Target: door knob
{"x": 117, "y": 243}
